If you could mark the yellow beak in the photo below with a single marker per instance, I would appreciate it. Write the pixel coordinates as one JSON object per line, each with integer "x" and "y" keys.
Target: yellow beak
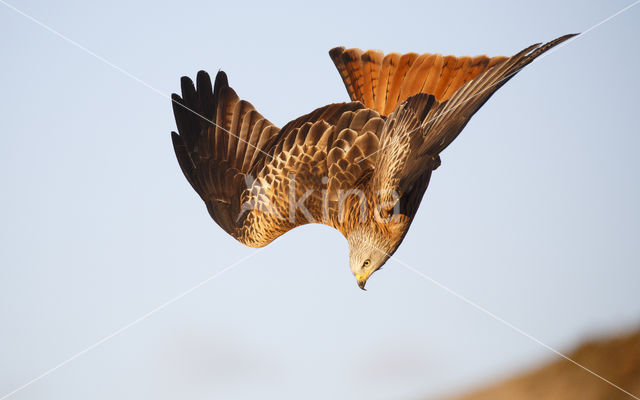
{"x": 362, "y": 279}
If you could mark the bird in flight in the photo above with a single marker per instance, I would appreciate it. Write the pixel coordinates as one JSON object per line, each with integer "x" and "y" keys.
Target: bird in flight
{"x": 360, "y": 167}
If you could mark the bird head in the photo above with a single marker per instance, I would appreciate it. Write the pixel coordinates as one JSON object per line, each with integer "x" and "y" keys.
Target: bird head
{"x": 368, "y": 251}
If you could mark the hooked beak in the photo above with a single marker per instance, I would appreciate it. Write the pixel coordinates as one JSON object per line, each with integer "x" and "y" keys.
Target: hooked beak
{"x": 362, "y": 280}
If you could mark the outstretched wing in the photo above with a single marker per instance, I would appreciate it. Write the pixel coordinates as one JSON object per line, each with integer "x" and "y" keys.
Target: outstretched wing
{"x": 220, "y": 138}
{"x": 421, "y": 127}
{"x": 381, "y": 82}
{"x": 259, "y": 181}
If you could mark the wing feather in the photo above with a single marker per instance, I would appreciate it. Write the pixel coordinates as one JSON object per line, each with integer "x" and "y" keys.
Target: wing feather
{"x": 217, "y": 140}
{"x": 243, "y": 167}
{"x": 422, "y": 127}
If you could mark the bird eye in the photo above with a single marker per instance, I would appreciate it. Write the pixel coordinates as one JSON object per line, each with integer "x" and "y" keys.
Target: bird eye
{"x": 366, "y": 264}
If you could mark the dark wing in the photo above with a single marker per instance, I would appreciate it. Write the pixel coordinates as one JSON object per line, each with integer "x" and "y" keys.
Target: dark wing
{"x": 421, "y": 127}
{"x": 259, "y": 181}
{"x": 381, "y": 82}
{"x": 220, "y": 138}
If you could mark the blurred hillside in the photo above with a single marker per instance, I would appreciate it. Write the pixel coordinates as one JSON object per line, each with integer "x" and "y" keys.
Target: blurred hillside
{"x": 617, "y": 360}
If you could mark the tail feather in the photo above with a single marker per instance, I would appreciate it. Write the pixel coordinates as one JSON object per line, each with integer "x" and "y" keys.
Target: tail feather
{"x": 388, "y": 67}
{"x": 381, "y": 82}
{"x": 371, "y": 61}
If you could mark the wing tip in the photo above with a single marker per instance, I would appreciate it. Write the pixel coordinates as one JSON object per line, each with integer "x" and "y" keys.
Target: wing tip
{"x": 221, "y": 79}
{"x": 203, "y": 79}
{"x": 564, "y": 38}
{"x": 186, "y": 84}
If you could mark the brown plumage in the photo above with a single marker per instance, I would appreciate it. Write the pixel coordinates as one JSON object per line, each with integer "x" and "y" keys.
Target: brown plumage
{"x": 361, "y": 167}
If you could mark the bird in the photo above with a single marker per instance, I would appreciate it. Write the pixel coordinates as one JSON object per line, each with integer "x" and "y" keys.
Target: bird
{"x": 361, "y": 167}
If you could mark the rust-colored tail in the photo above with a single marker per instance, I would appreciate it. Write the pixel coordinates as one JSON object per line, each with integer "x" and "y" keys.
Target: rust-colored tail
{"x": 381, "y": 82}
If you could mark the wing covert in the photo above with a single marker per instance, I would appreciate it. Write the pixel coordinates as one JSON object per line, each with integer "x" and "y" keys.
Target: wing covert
{"x": 315, "y": 162}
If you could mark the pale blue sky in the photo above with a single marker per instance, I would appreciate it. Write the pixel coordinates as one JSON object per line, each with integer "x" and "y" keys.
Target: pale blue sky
{"x": 533, "y": 214}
